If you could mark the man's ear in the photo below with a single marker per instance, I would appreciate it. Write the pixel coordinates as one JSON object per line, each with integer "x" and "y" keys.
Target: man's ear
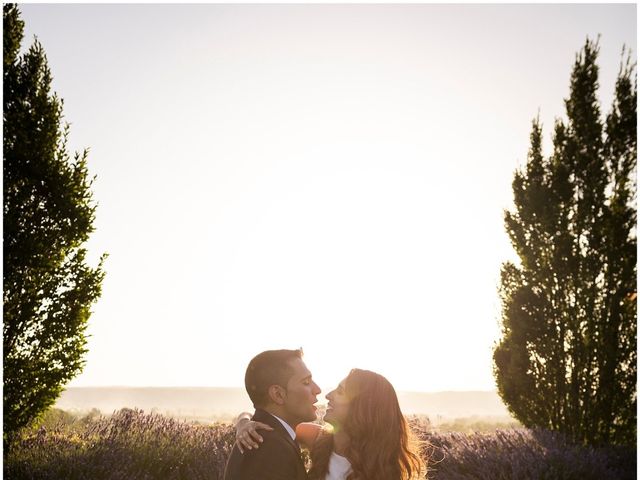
{"x": 277, "y": 394}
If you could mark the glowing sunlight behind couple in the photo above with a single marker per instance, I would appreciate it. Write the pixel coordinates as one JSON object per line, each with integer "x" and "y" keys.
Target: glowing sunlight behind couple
{"x": 436, "y": 202}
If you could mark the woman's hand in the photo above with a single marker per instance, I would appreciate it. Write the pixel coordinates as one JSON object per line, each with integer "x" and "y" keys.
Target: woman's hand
{"x": 247, "y": 436}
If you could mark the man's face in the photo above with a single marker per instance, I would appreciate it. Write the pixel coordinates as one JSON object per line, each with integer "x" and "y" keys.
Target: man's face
{"x": 301, "y": 394}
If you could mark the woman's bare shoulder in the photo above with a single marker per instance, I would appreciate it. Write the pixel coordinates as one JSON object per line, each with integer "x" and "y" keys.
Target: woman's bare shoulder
{"x": 307, "y": 433}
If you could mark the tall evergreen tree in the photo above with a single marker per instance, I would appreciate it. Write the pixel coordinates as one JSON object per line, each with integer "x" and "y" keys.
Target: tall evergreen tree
{"x": 48, "y": 214}
{"x": 567, "y": 357}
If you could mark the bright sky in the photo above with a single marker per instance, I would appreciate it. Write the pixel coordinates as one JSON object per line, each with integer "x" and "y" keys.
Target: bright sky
{"x": 324, "y": 176}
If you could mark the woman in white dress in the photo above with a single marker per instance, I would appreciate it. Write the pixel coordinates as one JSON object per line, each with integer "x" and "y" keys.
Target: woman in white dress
{"x": 370, "y": 438}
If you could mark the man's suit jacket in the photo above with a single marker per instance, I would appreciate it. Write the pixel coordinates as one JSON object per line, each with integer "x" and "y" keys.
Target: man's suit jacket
{"x": 277, "y": 458}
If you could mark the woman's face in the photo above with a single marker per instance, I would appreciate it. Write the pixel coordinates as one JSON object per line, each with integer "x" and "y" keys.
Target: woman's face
{"x": 338, "y": 406}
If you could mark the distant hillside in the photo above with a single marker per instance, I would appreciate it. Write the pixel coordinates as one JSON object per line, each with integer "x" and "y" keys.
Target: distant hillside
{"x": 453, "y": 404}
{"x": 195, "y": 403}
{"x": 224, "y": 403}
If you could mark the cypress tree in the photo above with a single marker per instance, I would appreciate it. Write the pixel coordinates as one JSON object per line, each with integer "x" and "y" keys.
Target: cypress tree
{"x": 567, "y": 357}
{"x": 48, "y": 214}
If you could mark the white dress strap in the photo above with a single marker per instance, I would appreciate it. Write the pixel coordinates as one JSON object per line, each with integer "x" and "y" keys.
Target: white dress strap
{"x": 339, "y": 467}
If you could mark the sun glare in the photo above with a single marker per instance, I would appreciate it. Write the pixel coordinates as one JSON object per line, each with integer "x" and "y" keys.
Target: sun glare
{"x": 331, "y": 177}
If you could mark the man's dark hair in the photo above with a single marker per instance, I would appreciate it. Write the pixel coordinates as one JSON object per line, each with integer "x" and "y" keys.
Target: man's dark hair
{"x": 268, "y": 368}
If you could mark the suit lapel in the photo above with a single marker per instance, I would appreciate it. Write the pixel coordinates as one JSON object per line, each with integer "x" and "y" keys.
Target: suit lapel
{"x": 265, "y": 417}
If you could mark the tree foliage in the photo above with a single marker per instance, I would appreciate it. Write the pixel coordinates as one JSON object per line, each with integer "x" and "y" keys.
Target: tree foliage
{"x": 48, "y": 214}
{"x": 567, "y": 357}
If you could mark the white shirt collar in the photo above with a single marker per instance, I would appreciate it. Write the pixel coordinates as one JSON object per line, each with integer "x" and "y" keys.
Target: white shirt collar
{"x": 287, "y": 427}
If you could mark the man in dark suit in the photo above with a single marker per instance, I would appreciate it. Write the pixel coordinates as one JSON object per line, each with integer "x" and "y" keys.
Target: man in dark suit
{"x": 283, "y": 394}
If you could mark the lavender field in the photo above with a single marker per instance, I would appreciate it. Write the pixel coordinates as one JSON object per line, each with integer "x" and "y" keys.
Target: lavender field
{"x": 132, "y": 444}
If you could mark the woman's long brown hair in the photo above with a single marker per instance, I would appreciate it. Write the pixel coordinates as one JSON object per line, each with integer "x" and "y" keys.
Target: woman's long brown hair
{"x": 381, "y": 446}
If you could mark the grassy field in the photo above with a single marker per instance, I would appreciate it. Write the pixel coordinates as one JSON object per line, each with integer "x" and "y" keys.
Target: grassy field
{"x": 132, "y": 444}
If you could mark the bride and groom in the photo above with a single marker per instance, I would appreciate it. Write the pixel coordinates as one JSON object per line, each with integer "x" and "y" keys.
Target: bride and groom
{"x": 369, "y": 438}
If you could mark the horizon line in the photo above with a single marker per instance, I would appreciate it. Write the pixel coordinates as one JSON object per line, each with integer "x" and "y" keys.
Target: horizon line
{"x": 243, "y": 388}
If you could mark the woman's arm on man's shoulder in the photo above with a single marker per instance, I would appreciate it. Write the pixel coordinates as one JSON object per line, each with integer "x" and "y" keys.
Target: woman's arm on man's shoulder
{"x": 247, "y": 436}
